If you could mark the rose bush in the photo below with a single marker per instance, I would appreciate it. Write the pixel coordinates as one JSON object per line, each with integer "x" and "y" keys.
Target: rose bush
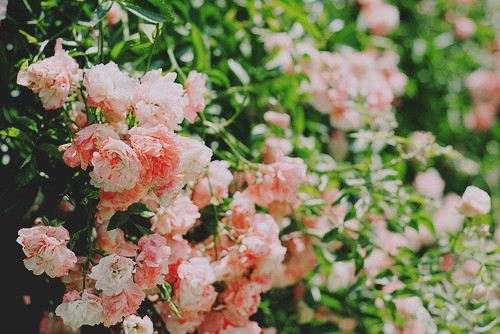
{"x": 251, "y": 166}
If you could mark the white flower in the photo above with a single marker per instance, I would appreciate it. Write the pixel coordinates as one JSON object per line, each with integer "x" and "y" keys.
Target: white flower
{"x": 77, "y": 310}
{"x": 3, "y": 8}
{"x": 112, "y": 272}
{"x": 341, "y": 276}
{"x": 194, "y": 159}
{"x": 475, "y": 202}
{"x": 137, "y": 325}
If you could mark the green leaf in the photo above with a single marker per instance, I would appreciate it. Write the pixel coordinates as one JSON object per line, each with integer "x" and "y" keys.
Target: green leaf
{"x": 15, "y": 133}
{"x": 240, "y": 72}
{"x": 118, "y": 219}
{"x": 217, "y": 77}
{"x": 298, "y": 120}
{"x": 199, "y": 48}
{"x": 140, "y": 209}
{"x": 27, "y": 172}
{"x": 143, "y": 230}
{"x": 147, "y": 15}
{"x": 100, "y": 13}
{"x": 50, "y": 149}
{"x": 330, "y": 235}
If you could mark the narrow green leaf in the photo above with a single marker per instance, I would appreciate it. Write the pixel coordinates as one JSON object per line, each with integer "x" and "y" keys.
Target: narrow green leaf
{"x": 199, "y": 48}
{"x": 140, "y": 209}
{"x": 147, "y": 15}
{"x": 240, "y": 72}
{"x": 15, "y": 133}
{"x": 143, "y": 230}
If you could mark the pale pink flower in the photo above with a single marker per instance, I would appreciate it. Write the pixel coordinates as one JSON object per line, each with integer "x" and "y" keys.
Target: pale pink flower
{"x": 46, "y": 250}
{"x": 110, "y": 202}
{"x": 393, "y": 286}
{"x": 78, "y": 115}
{"x": 429, "y": 183}
{"x": 3, "y": 9}
{"x": 279, "y": 119}
{"x": 482, "y": 118}
{"x": 53, "y": 79}
{"x": 116, "y": 167}
{"x": 113, "y": 241}
{"x": 127, "y": 302}
{"x": 194, "y": 158}
{"x": 81, "y": 308}
{"x": 341, "y": 275}
{"x": 414, "y": 327}
{"x": 180, "y": 249}
{"x": 274, "y": 146}
{"x": 278, "y": 181}
{"x": 242, "y": 210}
{"x": 214, "y": 186}
{"x": 134, "y": 324}
{"x": 159, "y": 153}
{"x": 85, "y": 142}
{"x": 195, "y": 90}
{"x": 250, "y": 327}
{"x": 110, "y": 89}
{"x": 112, "y": 273}
{"x": 464, "y": 27}
{"x": 377, "y": 261}
{"x": 381, "y": 18}
{"x": 161, "y": 100}
{"x": 475, "y": 202}
{"x": 179, "y": 217}
{"x": 152, "y": 261}
{"x": 115, "y": 14}
{"x": 448, "y": 219}
{"x": 242, "y": 297}
{"x": 483, "y": 85}
{"x": 408, "y": 306}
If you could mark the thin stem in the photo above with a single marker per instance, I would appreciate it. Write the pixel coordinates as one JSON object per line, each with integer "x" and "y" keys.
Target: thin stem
{"x": 100, "y": 45}
{"x": 175, "y": 65}
{"x": 157, "y": 35}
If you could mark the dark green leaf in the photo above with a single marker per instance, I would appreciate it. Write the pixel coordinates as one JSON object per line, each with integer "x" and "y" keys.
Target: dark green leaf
{"x": 199, "y": 48}
{"x": 118, "y": 219}
{"x": 140, "y": 209}
{"x": 15, "y": 133}
{"x": 143, "y": 230}
{"x": 50, "y": 149}
{"x": 147, "y": 15}
{"x": 27, "y": 172}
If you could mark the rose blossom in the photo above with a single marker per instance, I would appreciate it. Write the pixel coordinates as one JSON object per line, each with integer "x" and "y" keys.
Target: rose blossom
{"x": 111, "y": 89}
{"x": 74, "y": 280}
{"x": 85, "y": 142}
{"x": 152, "y": 261}
{"x": 110, "y": 202}
{"x": 279, "y": 119}
{"x": 116, "y": 166}
{"x": 80, "y": 309}
{"x": 161, "y": 100}
{"x": 475, "y": 202}
{"x": 216, "y": 185}
{"x": 242, "y": 298}
{"x": 274, "y": 146}
{"x": 111, "y": 273}
{"x": 114, "y": 14}
{"x": 381, "y": 18}
{"x": 278, "y": 181}
{"x": 194, "y": 158}
{"x": 46, "y": 250}
{"x": 134, "y": 324}
{"x": 341, "y": 276}
{"x": 464, "y": 27}
{"x": 242, "y": 210}
{"x": 448, "y": 219}
{"x": 113, "y": 241}
{"x": 430, "y": 183}
{"x": 179, "y": 217}
{"x": 3, "y": 9}
{"x": 116, "y": 307}
{"x": 53, "y": 79}
{"x": 195, "y": 89}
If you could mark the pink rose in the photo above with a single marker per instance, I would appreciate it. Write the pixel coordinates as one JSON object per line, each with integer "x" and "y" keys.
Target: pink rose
{"x": 464, "y": 27}
{"x": 112, "y": 273}
{"x": 152, "y": 261}
{"x": 137, "y": 325}
{"x": 127, "y": 302}
{"x": 195, "y": 90}
{"x": 110, "y": 202}
{"x": 242, "y": 298}
{"x": 214, "y": 186}
{"x": 116, "y": 167}
{"x": 194, "y": 158}
{"x": 279, "y": 119}
{"x": 110, "y": 89}
{"x": 161, "y": 100}
{"x": 430, "y": 184}
{"x": 115, "y": 14}
{"x": 381, "y": 18}
{"x": 53, "y": 79}
{"x": 179, "y": 217}
{"x": 85, "y": 142}
{"x": 114, "y": 241}
{"x": 46, "y": 250}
